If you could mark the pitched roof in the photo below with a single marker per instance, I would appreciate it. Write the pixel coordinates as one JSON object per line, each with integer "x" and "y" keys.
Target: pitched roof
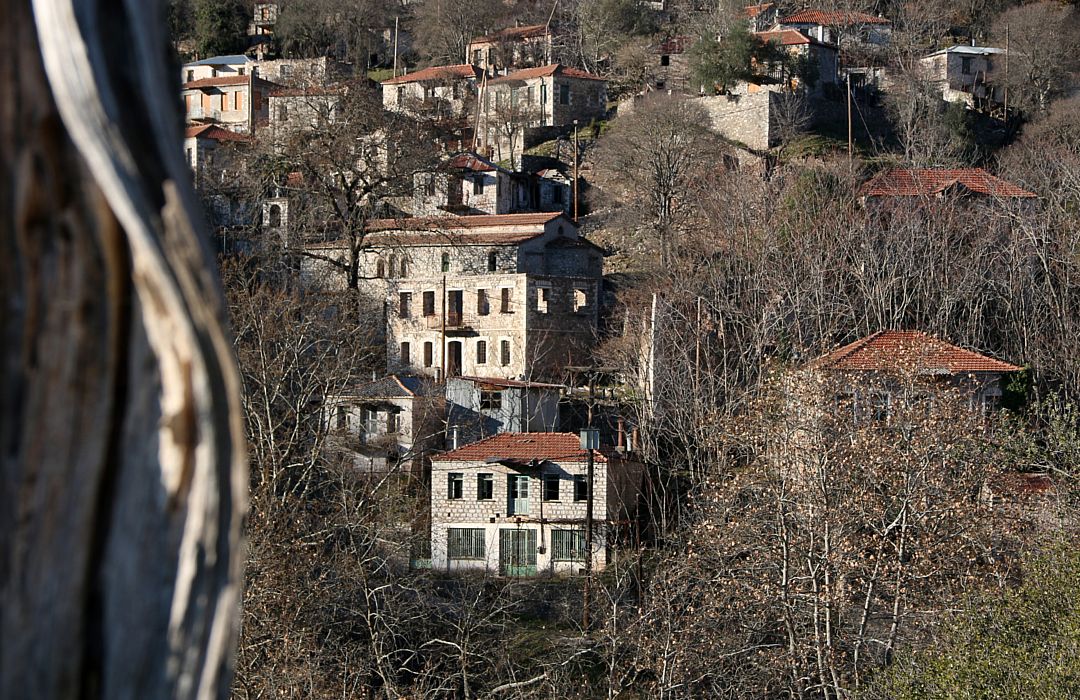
{"x": 390, "y": 386}
{"x": 967, "y": 50}
{"x": 213, "y": 131}
{"x": 788, "y": 37}
{"x": 544, "y": 72}
{"x": 471, "y": 161}
{"x": 915, "y": 182}
{"x": 226, "y": 81}
{"x": 514, "y": 34}
{"x": 458, "y": 72}
{"x": 438, "y": 223}
{"x": 832, "y": 18}
{"x": 221, "y": 61}
{"x": 752, "y": 11}
{"x": 510, "y": 383}
{"x": 525, "y": 447}
{"x": 892, "y": 350}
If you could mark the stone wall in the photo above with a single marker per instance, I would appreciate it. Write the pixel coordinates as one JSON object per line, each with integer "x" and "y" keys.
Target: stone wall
{"x": 745, "y": 118}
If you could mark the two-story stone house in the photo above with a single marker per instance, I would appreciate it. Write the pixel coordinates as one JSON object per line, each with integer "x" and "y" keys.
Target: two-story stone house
{"x": 441, "y": 91}
{"x": 515, "y": 504}
{"x": 236, "y": 102}
{"x": 843, "y": 28}
{"x": 532, "y": 105}
{"x": 965, "y": 74}
{"x": 513, "y": 47}
{"x": 820, "y": 59}
{"x": 471, "y": 184}
{"x": 395, "y": 422}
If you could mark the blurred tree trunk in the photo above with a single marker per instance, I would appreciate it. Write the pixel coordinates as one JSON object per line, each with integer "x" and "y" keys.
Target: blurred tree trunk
{"x": 122, "y": 460}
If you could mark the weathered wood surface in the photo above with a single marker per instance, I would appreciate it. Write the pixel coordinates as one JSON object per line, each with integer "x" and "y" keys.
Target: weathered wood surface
{"x": 122, "y": 465}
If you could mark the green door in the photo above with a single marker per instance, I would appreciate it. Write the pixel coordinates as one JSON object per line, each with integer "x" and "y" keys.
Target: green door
{"x": 517, "y": 552}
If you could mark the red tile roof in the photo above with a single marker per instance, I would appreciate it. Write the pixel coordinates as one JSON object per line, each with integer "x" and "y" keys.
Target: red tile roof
{"x": 832, "y": 18}
{"x": 471, "y": 161}
{"x": 916, "y": 182}
{"x": 546, "y": 71}
{"x": 787, "y": 37}
{"x": 212, "y": 131}
{"x": 892, "y": 350}
{"x": 436, "y": 223}
{"x": 525, "y": 447}
{"x": 753, "y": 11}
{"x": 459, "y": 72}
{"x": 514, "y": 34}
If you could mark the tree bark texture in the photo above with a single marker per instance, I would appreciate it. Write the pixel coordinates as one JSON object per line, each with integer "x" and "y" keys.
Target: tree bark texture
{"x": 123, "y": 474}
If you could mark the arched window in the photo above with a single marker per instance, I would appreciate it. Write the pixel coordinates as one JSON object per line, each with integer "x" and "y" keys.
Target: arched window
{"x": 275, "y": 216}
{"x": 392, "y": 266}
{"x": 404, "y": 267}
{"x": 493, "y": 261}
{"x": 446, "y": 262}
{"x": 380, "y": 268}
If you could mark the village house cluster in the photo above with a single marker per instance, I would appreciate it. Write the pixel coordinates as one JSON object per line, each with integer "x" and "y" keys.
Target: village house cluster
{"x": 491, "y": 299}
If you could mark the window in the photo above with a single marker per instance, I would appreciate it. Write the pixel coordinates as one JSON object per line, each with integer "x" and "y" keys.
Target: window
{"x": 380, "y": 268}
{"x": 477, "y": 57}
{"x": 275, "y": 216}
{"x": 543, "y": 296}
{"x": 483, "y": 305}
{"x": 504, "y": 351}
{"x": 543, "y": 94}
{"x": 455, "y": 484}
{"x": 478, "y": 184}
{"x": 485, "y": 487}
{"x": 404, "y": 304}
{"x": 391, "y": 266}
{"x": 568, "y": 545}
{"x": 465, "y": 542}
{"x": 556, "y": 194}
{"x": 490, "y": 400}
{"x": 401, "y": 95}
{"x": 564, "y": 94}
{"x": 341, "y": 418}
{"x": 404, "y": 267}
{"x": 665, "y": 60}
{"x": 391, "y": 422}
{"x": 491, "y": 57}
{"x": 285, "y": 71}
{"x": 190, "y": 75}
{"x": 283, "y": 113}
{"x": 446, "y": 262}
{"x": 240, "y": 71}
{"x": 581, "y": 299}
{"x": 529, "y": 95}
{"x": 371, "y": 422}
{"x": 190, "y": 159}
{"x": 493, "y": 261}
{"x": 551, "y": 487}
{"x": 517, "y": 494}
{"x": 429, "y": 303}
{"x": 238, "y": 101}
{"x": 581, "y": 488}
{"x": 404, "y": 353}
{"x": 965, "y": 66}
{"x": 507, "y": 294}
{"x": 429, "y": 354}
{"x": 481, "y": 352}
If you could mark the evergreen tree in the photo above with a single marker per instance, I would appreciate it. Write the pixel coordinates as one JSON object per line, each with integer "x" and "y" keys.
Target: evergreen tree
{"x": 220, "y": 27}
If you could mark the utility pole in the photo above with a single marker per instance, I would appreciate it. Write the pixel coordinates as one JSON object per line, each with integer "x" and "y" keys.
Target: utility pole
{"x": 590, "y": 440}
{"x": 850, "y": 138}
{"x": 1006, "y": 75}
{"x": 575, "y": 170}
{"x": 395, "y": 46}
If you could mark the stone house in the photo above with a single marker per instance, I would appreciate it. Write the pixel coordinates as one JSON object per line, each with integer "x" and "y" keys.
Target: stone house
{"x": 515, "y": 504}
{"x": 532, "y": 105}
{"x": 513, "y": 47}
{"x": 471, "y": 184}
{"x": 816, "y": 62}
{"x": 442, "y": 91}
{"x": 671, "y": 69}
{"x": 210, "y": 163}
{"x": 303, "y": 108}
{"x": 865, "y": 371}
{"x": 761, "y": 16}
{"x": 238, "y": 102}
{"x": 395, "y": 422}
{"x": 478, "y": 408}
{"x": 230, "y": 66}
{"x": 966, "y": 74}
{"x": 302, "y": 72}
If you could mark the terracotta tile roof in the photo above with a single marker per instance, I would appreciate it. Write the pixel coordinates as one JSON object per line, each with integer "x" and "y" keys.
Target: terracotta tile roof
{"x": 471, "y": 161}
{"x": 525, "y": 447}
{"x": 212, "y": 131}
{"x": 832, "y": 18}
{"x": 436, "y": 223}
{"x": 226, "y": 81}
{"x": 459, "y": 72}
{"x": 787, "y": 37}
{"x": 674, "y": 45}
{"x": 915, "y": 182}
{"x": 514, "y": 34}
{"x": 544, "y": 72}
{"x": 892, "y": 350}
{"x": 437, "y": 238}
{"x": 510, "y": 383}
{"x": 752, "y": 11}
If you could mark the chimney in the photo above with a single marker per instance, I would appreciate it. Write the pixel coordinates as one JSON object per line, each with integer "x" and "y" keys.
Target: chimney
{"x": 620, "y": 441}
{"x": 454, "y": 432}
